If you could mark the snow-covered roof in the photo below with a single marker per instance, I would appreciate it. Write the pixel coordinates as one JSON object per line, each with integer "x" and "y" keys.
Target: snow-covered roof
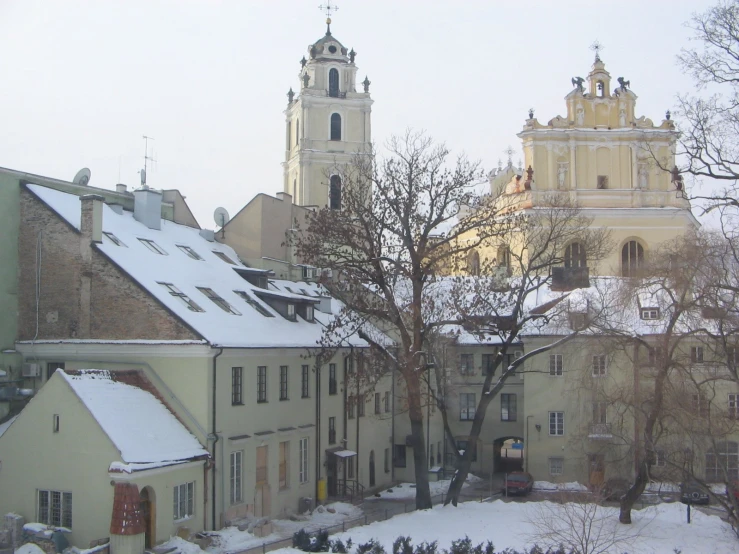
{"x": 249, "y": 329}
{"x": 142, "y": 428}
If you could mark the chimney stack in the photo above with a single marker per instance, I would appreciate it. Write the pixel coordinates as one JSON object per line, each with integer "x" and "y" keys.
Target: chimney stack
{"x": 147, "y": 207}
{"x": 120, "y": 187}
{"x": 91, "y": 222}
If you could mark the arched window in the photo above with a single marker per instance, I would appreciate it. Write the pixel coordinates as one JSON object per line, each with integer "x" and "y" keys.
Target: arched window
{"x": 333, "y": 82}
{"x": 335, "y": 126}
{"x": 334, "y": 198}
{"x": 473, "y": 262}
{"x": 297, "y": 132}
{"x": 723, "y": 463}
{"x": 575, "y": 255}
{"x": 632, "y": 258}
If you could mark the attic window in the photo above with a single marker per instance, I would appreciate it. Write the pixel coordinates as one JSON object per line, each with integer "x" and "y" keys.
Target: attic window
{"x": 189, "y": 251}
{"x": 309, "y": 313}
{"x": 253, "y": 303}
{"x": 650, "y": 313}
{"x": 224, "y": 257}
{"x": 291, "y": 311}
{"x": 218, "y": 301}
{"x": 114, "y": 239}
{"x": 182, "y": 297}
{"x": 153, "y": 246}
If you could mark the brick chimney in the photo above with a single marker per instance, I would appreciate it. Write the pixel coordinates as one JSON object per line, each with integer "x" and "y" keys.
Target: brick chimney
{"x": 91, "y": 222}
{"x": 147, "y": 207}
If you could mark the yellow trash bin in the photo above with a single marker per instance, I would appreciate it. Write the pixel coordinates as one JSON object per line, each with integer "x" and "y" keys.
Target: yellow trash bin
{"x": 322, "y": 490}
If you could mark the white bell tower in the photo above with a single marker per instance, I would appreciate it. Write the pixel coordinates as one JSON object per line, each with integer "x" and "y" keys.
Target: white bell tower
{"x": 327, "y": 123}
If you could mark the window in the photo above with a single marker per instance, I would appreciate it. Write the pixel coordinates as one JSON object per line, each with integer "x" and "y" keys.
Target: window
{"x": 332, "y": 430}
{"x": 556, "y": 423}
{"x": 377, "y": 402}
{"x": 305, "y": 382}
{"x": 599, "y": 365}
{"x": 224, "y": 257}
{"x": 555, "y": 364}
{"x": 283, "y": 382}
{"x": 153, "y": 246}
{"x": 387, "y": 401}
{"x": 733, "y": 406}
{"x": 335, "y": 193}
{"x": 360, "y": 405}
{"x": 284, "y": 465}
{"x": 399, "y": 455}
{"x": 700, "y": 405}
{"x": 184, "y": 500}
{"x": 575, "y": 255}
{"x": 333, "y": 82}
{"x": 253, "y": 303}
{"x": 488, "y": 361}
{"x": 660, "y": 460}
{"x": 262, "y": 383}
{"x": 466, "y": 363}
{"x": 722, "y": 464}
{"x": 463, "y": 445}
{"x": 114, "y": 239}
{"x": 236, "y": 472}
{"x": 332, "y": 378}
{"x": 182, "y": 297}
{"x": 656, "y": 356}
{"x": 599, "y": 412}
{"x": 602, "y": 181}
{"x": 350, "y": 468}
{"x": 467, "y": 406}
{"x": 387, "y": 460}
{"x": 350, "y": 406}
{"x": 335, "y": 126}
{"x": 237, "y": 385}
{"x": 55, "y": 508}
{"x": 303, "y": 460}
{"x": 508, "y": 407}
{"x": 473, "y": 262}
{"x": 309, "y": 313}
{"x": 55, "y": 423}
{"x": 696, "y": 354}
{"x": 189, "y": 251}
{"x": 504, "y": 256}
{"x": 291, "y": 312}
{"x": 218, "y": 301}
{"x": 556, "y": 466}
{"x": 649, "y": 313}
{"x": 632, "y": 258}
{"x": 51, "y": 367}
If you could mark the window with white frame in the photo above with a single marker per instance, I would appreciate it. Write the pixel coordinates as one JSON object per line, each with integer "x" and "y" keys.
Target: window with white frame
{"x": 733, "y": 406}
{"x": 650, "y": 313}
{"x": 556, "y": 466}
{"x": 184, "y": 500}
{"x": 190, "y": 252}
{"x": 291, "y": 311}
{"x": 262, "y": 383}
{"x": 305, "y": 382}
{"x": 55, "y": 508}
{"x": 236, "y": 472}
{"x": 507, "y": 407}
{"x": 466, "y": 363}
{"x": 182, "y": 297}
{"x": 153, "y": 246}
{"x": 303, "y": 460}
{"x": 556, "y": 423}
{"x": 467, "y": 406}
{"x": 696, "y": 354}
{"x": 555, "y": 365}
{"x": 237, "y": 386}
{"x": 599, "y": 365}
{"x": 283, "y": 382}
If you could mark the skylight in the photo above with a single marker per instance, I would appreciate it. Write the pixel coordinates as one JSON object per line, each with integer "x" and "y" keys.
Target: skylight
{"x": 224, "y": 257}
{"x": 114, "y": 239}
{"x": 189, "y": 251}
{"x": 153, "y": 246}
{"x": 182, "y": 297}
{"x": 253, "y": 303}
{"x": 218, "y": 301}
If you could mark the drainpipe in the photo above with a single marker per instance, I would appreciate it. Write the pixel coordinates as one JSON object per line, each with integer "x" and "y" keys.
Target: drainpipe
{"x": 215, "y": 440}
{"x": 525, "y": 446}
{"x": 392, "y": 428}
{"x": 318, "y": 430}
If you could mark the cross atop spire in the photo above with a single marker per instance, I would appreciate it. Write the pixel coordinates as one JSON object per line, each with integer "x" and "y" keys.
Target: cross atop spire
{"x": 509, "y": 152}
{"x": 597, "y": 47}
{"x": 328, "y": 7}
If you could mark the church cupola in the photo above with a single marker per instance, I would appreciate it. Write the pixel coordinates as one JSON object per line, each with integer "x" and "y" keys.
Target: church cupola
{"x": 599, "y": 79}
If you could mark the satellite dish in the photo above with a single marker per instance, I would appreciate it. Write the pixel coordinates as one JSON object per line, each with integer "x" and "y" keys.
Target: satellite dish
{"x": 221, "y": 217}
{"x": 82, "y": 177}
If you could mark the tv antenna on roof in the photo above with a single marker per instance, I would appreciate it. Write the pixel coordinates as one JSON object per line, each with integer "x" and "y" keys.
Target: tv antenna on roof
{"x": 221, "y": 217}
{"x": 147, "y": 158}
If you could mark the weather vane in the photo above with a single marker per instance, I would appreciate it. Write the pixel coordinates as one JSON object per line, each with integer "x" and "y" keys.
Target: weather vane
{"x": 329, "y": 8}
{"x": 597, "y": 47}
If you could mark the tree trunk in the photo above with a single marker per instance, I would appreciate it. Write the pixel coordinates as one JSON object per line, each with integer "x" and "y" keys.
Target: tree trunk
{"x": 420, "y": 461}
{"x": 629, "y": 499}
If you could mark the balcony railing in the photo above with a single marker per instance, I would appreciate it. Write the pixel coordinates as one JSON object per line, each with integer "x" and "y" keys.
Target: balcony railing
{"x": 600, "y": 431}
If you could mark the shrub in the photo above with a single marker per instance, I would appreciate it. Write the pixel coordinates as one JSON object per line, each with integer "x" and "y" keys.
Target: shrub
{"x": 370, "y": 547}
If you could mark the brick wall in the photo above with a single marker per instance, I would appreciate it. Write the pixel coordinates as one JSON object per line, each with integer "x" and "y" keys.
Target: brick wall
{"x": 83, "y": 294}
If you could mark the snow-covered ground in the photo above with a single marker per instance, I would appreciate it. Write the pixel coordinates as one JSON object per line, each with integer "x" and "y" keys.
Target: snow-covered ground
{"x": 407, "y": 491}
{"x": 547, "y": 486}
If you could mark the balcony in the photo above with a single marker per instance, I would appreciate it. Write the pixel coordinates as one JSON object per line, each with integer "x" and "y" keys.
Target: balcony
{"x": 600, "y": 431}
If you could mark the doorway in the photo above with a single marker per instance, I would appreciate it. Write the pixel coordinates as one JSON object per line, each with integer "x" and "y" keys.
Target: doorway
{"x": 596, "y": 464}
{"x": 331, "y": 473}
{"x": 147, "y": 503}
{"x": 372, "y": 469}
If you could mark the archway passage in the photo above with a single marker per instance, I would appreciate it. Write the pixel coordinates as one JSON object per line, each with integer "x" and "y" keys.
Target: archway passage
{"x": 508, "y": 454}
{"x": 147, "y": 499}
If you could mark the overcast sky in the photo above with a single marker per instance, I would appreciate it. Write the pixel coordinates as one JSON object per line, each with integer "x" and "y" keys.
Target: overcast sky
{"x": 82, "y": 81}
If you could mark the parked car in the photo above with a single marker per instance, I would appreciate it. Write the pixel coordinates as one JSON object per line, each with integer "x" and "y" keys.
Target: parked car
{"x": 615, "y": 488}
{"x": 518, "y": 482}
{"x": 692, "y": 493}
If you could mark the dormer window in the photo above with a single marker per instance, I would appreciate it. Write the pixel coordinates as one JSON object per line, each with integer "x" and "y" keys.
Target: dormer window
{"x": 189, "y": 251}
{"x": 224, "y": 257}
{"x": 650, "y": 313}
{"x": 291, "y": 311}
{"x": 114, "y": 239}
{"x": 153, "y": 246}
{"x": 218, "y": 301}
{"x": 309, "y": 313}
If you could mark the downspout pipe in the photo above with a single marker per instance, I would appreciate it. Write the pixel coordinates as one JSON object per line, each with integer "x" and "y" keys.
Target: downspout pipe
{"x": 214, "y": 436}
